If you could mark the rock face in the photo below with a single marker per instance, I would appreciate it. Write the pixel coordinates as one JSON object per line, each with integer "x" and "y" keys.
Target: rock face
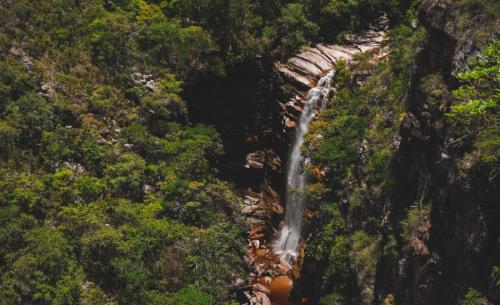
{"x": 438, "y": 18}
{"x": 302, "y": 72}
{"x": 457, "y": 246}
{"x": 261, "y": 158}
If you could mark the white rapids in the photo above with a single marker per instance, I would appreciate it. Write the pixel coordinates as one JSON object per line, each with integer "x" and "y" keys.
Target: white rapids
{"x": 287, "y": 243}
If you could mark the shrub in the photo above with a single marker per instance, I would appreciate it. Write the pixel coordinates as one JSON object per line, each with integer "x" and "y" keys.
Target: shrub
{"x": 192, "y": 296}
{"x": 472, "y": 297}
{"x": 364, "y": 257}
{"x": 126, "y": 176}
{"x": 105, "y": 100}
{"x": 416, "y": 217}
{"x": 332, "y": 299}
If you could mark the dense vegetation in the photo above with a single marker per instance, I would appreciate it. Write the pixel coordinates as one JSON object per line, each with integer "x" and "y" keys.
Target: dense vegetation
{"x": 110, "y": 195}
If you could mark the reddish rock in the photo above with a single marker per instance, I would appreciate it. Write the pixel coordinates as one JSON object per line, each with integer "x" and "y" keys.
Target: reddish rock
{"x": 262, "y": 299}
{"x": 261, "y": 288}
{"x": 290, "y": 123}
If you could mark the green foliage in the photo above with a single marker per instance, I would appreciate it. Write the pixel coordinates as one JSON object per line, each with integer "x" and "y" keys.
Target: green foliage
{"x": 472, "y": 297}
{"x": 334, "y": 16}
{"x": 338, "y": 270}
{"x": 403, "y": 43}
{"x": 479, "y": 95}
{"x": 295, "y": 27}
{"x": 495, "y": 282}
{"x": 43, "y": 271}
{"x": 378, "y": 167}
{"x": 363, "y": 256}
{"x": 15, "y": 80}
{"x": 126, "y": 176}
{"x": 473, "y": 108}
{"x": 203, "y": 204}
{"x": 109, "y": 39}
{"x": 389, "y": 300}
{"x": 58, "y": 146}
{"x": 331, "y": 299}
{"x": 330, "y": 253}
{"x": 190, "y": 151}
{"x": 29, "y": 115}
{"x": 417, "y": 216}
{"x": 474, "y": 117}
{"x": 90, "y": 188}
{"x": 93, "y": 296}
{"x": 106, "y": 193}
{"x": 192, "y": 296}
{"x": 193, "y": 51}
{"x": 335, "y": 225}
{"x": 341, "y": 139}
{"x": 344, "y": 14}
{"x": 105, "y": 100}
{"x": 216, "y": 254}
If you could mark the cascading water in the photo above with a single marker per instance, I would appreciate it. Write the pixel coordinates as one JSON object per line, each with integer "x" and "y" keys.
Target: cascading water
{"x": 288, "y": 240}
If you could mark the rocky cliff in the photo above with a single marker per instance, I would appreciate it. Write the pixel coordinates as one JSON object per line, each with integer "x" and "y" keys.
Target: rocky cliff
{"x": 428, "y": 226}
{"x": 458, "y": 244}
{"x": 302, "y": 72}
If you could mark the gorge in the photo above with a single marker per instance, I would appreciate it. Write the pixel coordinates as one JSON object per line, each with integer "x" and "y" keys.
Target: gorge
{"x": 275, "y": 256}
{"x": 249, "y": 152}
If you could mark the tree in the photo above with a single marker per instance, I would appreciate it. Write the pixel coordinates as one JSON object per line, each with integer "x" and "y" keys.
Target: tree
{"x": 126, "y": 175}
{"x": 295, "y": 28}
{"x": 110, "y": 39}
{"x": 478, "y": 97}
{"x": 45, "y": 271}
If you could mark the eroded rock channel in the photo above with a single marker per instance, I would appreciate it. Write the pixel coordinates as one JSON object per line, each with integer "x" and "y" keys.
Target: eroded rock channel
{"x": 273, "y": 272}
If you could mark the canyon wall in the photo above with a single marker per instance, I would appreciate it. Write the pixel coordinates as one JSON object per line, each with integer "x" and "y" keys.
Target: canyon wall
{"x": 460, "y": 239}
{"x": 453, "y": 246}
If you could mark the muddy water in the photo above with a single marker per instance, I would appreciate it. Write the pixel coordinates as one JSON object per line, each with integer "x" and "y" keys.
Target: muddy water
{"x": 280, "y": 290}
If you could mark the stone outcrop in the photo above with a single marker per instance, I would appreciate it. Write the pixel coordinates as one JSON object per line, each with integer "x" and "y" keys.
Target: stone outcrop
{"x": 442, "y": 19}
{"x": 261, "y": 158}
{"x": 302, "y": 72}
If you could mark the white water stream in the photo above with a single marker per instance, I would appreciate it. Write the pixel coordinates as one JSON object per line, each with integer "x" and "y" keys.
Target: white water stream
{"x": 288, "y": 240}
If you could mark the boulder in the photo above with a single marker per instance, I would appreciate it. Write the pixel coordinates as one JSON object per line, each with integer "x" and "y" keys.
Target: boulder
{"x": 260, "y": 288}
{"x": 262, "y": 299}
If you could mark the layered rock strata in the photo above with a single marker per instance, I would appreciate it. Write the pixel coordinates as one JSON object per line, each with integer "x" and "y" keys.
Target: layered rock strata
{"x": 302, "y": 72}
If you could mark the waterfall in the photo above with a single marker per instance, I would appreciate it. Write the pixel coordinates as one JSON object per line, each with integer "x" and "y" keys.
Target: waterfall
{"x": 288, "y": 240}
